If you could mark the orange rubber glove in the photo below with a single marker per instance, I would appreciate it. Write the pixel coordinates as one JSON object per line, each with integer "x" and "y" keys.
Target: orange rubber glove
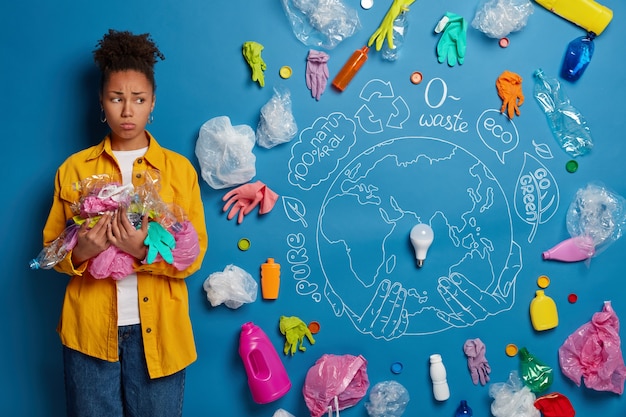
{"x": 245, "y": 198}
{"x": 509, "y": 85}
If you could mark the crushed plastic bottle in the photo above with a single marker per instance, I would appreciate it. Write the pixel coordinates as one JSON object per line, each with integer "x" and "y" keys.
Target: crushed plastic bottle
{"x": 56, "y": 251}
{"x": 400, "y": 26}
{"x": 577, "y": 57}
{"x": 568, "y": 126}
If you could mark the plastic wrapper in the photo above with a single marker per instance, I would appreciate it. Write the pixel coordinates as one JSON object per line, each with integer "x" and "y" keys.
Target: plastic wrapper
{"x": 282, "y": 413}
{"x": 277, "y": 124}
{"x": 387, "y": 399}
{"x": 232, "y": 287}
{"x": 593, "y": 353}
{"x": 225, "y": 153}
{"x": 321, "y": 23}
{"x": 335, "y": 382}
{"x": 499, "y": 18}
{"x": 512, "y": 398}
{"x": 597, "y": 213}
{"x": 536, "y": 375}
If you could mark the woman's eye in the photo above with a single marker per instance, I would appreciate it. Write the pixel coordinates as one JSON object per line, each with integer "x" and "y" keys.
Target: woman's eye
{"x": 141, "y": 100}
{"x": 116, "y": 100}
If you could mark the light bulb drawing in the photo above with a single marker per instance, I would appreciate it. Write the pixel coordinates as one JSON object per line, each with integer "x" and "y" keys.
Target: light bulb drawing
{"x": 421, "y": 236}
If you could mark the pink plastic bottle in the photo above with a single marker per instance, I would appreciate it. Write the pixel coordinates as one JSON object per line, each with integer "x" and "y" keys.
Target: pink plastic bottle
{"x": 267, "y": 377}
{"x": 571, "y": 250}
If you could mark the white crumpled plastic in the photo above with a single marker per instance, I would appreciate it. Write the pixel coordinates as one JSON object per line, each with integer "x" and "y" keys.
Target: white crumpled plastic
{"x": 512, "y": 398}
{"x": 498, "y": 18}
{"x": 232, "y": 287}
{"x": 277, "y": 124}
{"x": 225, "y": 153}
{"x": 387, "y": 399}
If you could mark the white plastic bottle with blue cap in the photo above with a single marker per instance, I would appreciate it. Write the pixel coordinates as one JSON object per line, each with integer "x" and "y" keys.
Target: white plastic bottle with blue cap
{"x": 438, "y": 374}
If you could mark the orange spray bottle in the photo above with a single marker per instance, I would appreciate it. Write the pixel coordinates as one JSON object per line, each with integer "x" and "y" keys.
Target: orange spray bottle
{"x": 350, "y": 68}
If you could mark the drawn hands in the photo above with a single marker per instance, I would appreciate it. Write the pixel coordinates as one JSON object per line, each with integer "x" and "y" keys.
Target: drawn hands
{"x": 509, "y": 86}
{"x": 451, "y": 45}
{"x": 386, "y": 316}
{"x": 252, "y": 54}
{"x": 468, "y": 303}
{"x": 316, "y": 72}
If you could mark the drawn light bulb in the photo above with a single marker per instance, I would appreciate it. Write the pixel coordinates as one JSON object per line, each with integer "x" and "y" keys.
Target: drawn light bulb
{"x": 421, "y": 236}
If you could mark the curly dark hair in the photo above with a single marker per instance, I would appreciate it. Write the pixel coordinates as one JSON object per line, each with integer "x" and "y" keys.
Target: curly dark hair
{"x": 123, "y": 51}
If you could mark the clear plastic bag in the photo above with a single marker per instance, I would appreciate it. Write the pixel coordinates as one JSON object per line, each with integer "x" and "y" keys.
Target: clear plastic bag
{"x": 277, "y": 124}
{"x": 387, "y": 399}
{"x": 498, "y": 18}
{"x": 233, "y": 287}
{"x": 225, "y": 153}
{"x": 512, "y": 398}
{"x": 597, "y": 213}
{"x": 321, "y": 23}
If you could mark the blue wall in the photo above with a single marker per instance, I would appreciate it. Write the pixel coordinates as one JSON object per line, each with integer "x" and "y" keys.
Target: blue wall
{"x": 50, "y": 110}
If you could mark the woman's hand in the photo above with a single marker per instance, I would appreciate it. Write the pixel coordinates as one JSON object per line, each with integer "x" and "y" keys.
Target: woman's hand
{"x": 90, "y": 241}
{"x": 123, "y": 234}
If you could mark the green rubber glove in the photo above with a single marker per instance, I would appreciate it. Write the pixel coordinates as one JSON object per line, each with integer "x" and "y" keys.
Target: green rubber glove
{"x": 159, "y": 242}
{"x": 451, "y": 45}
{"x": 294, "y": 330}
{"x": 252, "y": 54}
{"x": 385, "y": 30}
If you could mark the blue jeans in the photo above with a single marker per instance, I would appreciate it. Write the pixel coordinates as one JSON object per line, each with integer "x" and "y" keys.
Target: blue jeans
{"x": 97, "y": 388}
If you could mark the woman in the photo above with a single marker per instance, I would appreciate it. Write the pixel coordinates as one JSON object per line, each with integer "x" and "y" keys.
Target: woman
{"x": 126, "y": 341}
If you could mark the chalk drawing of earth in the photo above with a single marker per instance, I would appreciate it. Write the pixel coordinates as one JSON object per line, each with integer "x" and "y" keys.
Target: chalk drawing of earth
{"x": 368, "y": 262}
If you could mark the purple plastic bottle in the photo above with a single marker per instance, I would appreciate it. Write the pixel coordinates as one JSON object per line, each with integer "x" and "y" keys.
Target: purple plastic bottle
{"x": 267, "y": 377}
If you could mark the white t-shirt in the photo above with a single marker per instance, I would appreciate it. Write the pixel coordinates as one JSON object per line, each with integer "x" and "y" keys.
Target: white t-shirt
{"x": 127, "y": 295}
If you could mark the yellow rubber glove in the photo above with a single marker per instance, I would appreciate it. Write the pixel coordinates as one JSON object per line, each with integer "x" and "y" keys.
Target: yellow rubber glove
{"x": 385, "y": 30}
{"x": 294, "y": 330}
{"x": 252, "y": 54}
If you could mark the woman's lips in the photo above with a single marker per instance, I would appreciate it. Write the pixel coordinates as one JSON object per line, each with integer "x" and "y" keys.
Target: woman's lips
{"x": 127, "y": 126}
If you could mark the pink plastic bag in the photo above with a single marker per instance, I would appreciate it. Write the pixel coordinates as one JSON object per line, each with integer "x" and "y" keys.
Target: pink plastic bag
{"x": 337, "y": 382}
{"x": 593, "y": 353}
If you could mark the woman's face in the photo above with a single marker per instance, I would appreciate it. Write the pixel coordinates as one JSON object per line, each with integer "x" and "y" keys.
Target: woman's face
{"x": 127, "y": 99}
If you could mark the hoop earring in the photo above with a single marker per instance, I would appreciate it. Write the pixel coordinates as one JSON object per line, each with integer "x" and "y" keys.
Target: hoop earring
{"x": 103, "y": 117}
{"x": 150, "y": 118}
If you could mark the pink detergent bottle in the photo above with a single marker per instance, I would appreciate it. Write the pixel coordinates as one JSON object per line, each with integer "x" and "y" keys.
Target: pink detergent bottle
{"x": 571, "y": 250}
{"x": 267, "y": 377}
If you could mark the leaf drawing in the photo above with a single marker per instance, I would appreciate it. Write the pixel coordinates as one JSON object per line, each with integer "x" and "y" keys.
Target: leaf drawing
{"x": 295, "y": 210}
{"x": 536, "y": 194}
{"x": 542, "y": 150}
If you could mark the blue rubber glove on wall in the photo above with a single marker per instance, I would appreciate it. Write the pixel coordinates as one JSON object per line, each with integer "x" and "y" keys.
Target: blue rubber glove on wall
{"x": 451, "y": 45}
{"x": 159, "y": 242}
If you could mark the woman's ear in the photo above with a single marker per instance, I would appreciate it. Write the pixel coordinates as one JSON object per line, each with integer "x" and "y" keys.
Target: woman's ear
{"x": 153, "y": 102}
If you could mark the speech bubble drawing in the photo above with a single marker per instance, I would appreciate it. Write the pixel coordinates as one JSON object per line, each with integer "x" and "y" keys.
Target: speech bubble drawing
{"x": 497, "y": 132}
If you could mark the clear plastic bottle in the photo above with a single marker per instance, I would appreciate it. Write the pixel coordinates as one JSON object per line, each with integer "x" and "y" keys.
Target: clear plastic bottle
{"x": 400, "y": 26}
{"x": 438, "y": 375}
{"x": 568, "y": 126}
{"x": 577, "y": 57}
{"x": 54, "y": 253}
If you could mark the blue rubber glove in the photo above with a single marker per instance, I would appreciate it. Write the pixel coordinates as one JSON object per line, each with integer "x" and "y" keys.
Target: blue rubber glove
{"x": 159, "y": 242}
{"x": 451, "y": 45}
{"x": 316, "y": 72}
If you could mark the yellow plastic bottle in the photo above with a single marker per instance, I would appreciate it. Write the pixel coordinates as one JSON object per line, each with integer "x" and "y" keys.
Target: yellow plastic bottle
{"x": 270, "y": 279}
{"x": 543, "y": 312}
{"x": 587, "y": 14}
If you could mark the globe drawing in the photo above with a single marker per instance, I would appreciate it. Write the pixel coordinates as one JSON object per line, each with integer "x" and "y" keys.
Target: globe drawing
{"x": 369, "y": 266}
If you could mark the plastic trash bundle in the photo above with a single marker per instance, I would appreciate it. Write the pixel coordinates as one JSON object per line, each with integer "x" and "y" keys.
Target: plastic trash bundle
{"x": 567, "y": 124}
{"x": 225, "y": 153}
{"x": 387, "y": 399}
{"x": 276, "y": 124}
{"x": 321, "y": 23}
{"x": 335, "y": 382}
{"x": 499, "y": 18}
{"x": 512, "y": 398}
{"x": 232, "y": 287}
{"x": 595, "y": 219}
{"x": 593, "y": 353}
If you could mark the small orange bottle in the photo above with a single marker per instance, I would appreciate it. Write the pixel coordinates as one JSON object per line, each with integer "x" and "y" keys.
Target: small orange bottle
{"x": 270, "y": 279}
{"x": 350, "y": 68}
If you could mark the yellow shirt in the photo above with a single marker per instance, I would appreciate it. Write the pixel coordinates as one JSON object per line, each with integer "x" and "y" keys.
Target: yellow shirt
{"x": 88, "y": 320}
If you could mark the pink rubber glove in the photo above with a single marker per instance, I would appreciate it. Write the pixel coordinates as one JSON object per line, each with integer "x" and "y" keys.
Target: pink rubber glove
{"x": 476, "y": 361}
{"x": 316, "y": 72}
{"x": 245, "y": 198}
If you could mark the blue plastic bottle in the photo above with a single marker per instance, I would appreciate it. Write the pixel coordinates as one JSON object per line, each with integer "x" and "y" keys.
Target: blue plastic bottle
{"x": 577, "y": 57}
{"x": 463, "y": 410}
{"x": 568, "y": 126}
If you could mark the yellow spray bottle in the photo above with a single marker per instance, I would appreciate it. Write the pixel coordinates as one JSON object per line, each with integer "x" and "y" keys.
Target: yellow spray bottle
{"x": 543, "y": 313}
